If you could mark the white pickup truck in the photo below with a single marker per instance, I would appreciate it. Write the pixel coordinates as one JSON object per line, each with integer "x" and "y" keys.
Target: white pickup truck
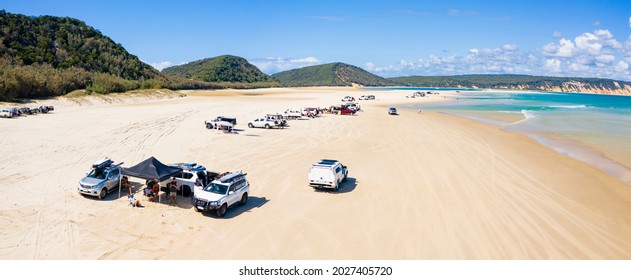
{"x": 192, "y": 175}
{"x": 292, "y": 113}
{"x": 327, "y": 173}
{"x": 262, "y": 123}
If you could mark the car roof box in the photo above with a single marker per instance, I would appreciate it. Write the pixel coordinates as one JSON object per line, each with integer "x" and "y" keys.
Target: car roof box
{"x": 105, "y": 162}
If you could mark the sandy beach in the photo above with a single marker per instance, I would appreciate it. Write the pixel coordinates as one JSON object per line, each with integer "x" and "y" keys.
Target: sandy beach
{"x": 421, "y": 185}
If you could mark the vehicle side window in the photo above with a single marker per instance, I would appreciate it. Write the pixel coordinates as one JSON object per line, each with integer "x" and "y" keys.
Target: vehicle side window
{"x": 113, "y": 173}
{"x": 239, "y": 185}
{"x": 187, "y": 175}
{"x": 338, "y": 169}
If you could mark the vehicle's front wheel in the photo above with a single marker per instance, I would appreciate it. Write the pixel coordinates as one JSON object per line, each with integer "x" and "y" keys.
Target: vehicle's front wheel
{"x": 266, "y": 126}
{"x": 103, "y": 193}
{"x": 244, "y": 199}
{"x": 250, "y": 125}
{"x": 222, "y": 210}
{"x": 345, "y": 177}
{"x": 186, "y": 191}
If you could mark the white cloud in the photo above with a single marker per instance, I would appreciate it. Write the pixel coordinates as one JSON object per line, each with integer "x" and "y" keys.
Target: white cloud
{"x": 553, "y": 65}
{"x": 160, "y": 65}
{"x": 622, "y": 66}
{"x": 509, "y": 47}
{"x": 596, "y": 23}
{"x": 556, "y": 34}
{"x": 273, "y": 65}
{"x": 629, "y": 21}
{"x": 310, "y": 59}
{"x": 565, "y": 48}
{"x": 590, "y": 54}
{"x": 605, "y": 58}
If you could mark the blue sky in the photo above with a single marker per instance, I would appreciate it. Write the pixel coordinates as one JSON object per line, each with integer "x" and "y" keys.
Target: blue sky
{"x": 388, "y": 38}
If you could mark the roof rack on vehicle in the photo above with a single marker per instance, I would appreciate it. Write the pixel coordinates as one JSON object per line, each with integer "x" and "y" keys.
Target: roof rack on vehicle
{"x": 105, "y": 162}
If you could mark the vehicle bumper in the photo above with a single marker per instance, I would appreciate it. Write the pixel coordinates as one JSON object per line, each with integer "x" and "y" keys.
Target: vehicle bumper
{"x": 88, "y": 191}
{"x": 204, "y": 205}
{"x": 318, "y": 186}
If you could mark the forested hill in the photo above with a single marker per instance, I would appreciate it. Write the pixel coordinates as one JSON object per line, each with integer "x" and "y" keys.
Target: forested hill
{"x": 225, "y": 68}
{"x": 64, "y": 42}
{"x": 50, "y": 56}
{"x": 519, "y": 82}
{"x": 332, "y": 74}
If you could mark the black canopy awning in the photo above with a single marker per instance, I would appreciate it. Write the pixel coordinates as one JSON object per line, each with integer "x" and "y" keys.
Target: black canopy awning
{"x": 152, "y": 168}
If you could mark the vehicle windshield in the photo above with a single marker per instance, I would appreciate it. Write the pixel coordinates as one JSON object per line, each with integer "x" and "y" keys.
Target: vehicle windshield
{"x": 97, "y": 173}
{"x": 216, "y": 188}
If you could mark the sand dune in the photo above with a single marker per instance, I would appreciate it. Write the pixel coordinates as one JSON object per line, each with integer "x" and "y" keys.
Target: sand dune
{"x": 421, "y": 185}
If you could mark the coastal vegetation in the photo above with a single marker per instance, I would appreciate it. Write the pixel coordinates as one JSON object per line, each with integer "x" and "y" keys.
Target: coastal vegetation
{"x": 50, "y": 56}
{"x": 331, "y": 74}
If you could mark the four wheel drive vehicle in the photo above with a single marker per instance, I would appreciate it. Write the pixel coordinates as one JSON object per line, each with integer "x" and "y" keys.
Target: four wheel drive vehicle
{"x": 103, "y": 178}
{"x": 262, "y": 123}
{"x": 278, "y": 119}
{"x": 392, "y": 111}
{"x": 348, "y": 99}
{"x": 310, "y": 112}
{"x": 223, "y": 125}
{"x": 6, "y": 113}
{"x": 192, "y": 175}
{"x": 371, "y": 97}
{"x": 222, "y": 193}
{"x": 363, "y": 97}
{"x": 292, "y": 114}
{"x": 327, "y": 173}
{"x": 346, "y": 111}
{"x": 233, "y": 121}
{"x": 353, "y": 106}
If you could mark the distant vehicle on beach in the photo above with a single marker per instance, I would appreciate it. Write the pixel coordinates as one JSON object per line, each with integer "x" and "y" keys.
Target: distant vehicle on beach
{"x": 262, "y": 123}
{"x": 6, "y": 113}
{"x": 348, "y": 99}
{"x": 392, "y": 111}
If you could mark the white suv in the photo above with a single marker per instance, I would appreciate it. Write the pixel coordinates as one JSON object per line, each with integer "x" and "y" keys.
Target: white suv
{"x": 229, "y": 190}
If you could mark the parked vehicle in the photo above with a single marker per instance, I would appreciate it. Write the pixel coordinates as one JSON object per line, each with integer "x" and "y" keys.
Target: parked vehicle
{"x": 348, "y": 99}
{"x": 367, "y": 97}
{"x": 346, "y": 111}
{"x": 392, "y": 111}
{"x": 327, "y": 173}
{"x": 371, "y": 97}
{"x": 6, "y": 113}
{"x": 101, "y": 180}
{"x": 278, "y": 119}
{"x": 193, "y": 175}
{"x": 353, "y": 106}
{"x": 310, "y": 112}
{"x": 292, "y": 114}
{"x": 222, "y": 193}
{"x": 223, "y": 125}
{"x": 262, "y": 123}
{"x": 25, "y": 111}
{"x": 233, "y": 121}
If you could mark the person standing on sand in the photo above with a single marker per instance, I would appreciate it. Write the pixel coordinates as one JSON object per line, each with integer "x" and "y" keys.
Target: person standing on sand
{"x": 172, "y": 191}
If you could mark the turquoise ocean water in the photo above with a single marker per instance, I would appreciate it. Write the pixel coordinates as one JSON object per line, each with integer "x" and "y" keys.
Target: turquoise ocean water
{"x": 595, "y": 129}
